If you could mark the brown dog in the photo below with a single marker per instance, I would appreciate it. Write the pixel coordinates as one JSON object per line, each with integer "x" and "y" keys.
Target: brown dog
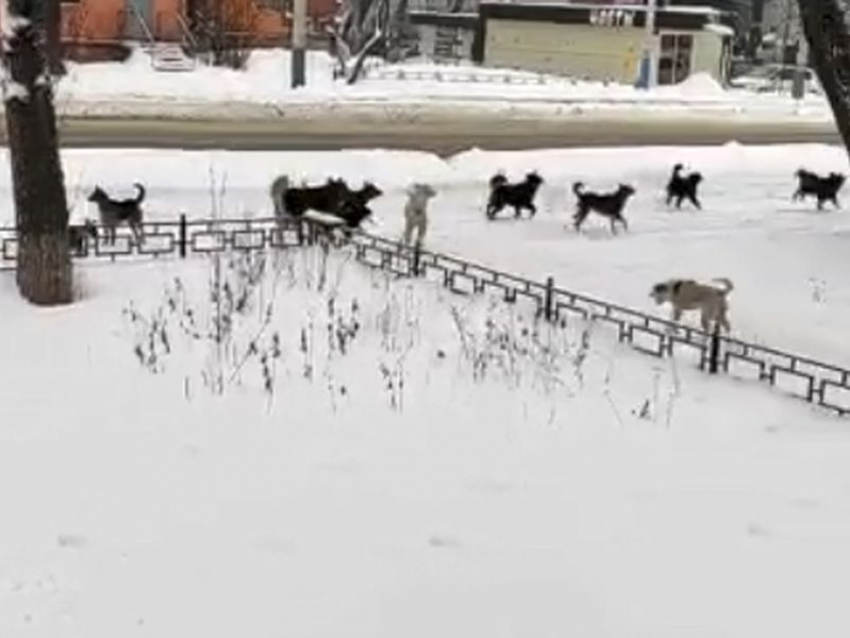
{"x": 687, "y": 294}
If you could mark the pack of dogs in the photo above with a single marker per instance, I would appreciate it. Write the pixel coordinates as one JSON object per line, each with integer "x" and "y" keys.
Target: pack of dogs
{"x": 352, "y": 207}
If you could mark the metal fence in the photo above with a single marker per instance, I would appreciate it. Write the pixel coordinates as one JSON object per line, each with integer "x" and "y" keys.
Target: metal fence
{"x": 178, "y": 238}
{"x": 819, "y": 383}
{"x": 459, "y": 76}
{"x": 822, "y": 384}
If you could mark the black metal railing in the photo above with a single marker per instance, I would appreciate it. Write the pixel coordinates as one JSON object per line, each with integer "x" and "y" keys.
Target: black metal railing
{"x": 820, "y": 383}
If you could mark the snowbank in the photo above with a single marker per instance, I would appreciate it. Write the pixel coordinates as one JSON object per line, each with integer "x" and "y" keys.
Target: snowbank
{"x": 134, "y": 87}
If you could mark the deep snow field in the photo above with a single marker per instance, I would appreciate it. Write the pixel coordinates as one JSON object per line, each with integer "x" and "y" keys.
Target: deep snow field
{"x": 362, "y": 456}
{"x": 453, "y": 470}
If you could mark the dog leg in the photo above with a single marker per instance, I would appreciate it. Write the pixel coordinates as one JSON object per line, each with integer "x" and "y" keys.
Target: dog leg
{"x": 517, "y": 212}
{"x": 695, "y": 201}
{"x": 408, "y": 232}
{"x": 533, "y": 209}
{"x": 423, "y": 230}
{"x": 578, "y": 219}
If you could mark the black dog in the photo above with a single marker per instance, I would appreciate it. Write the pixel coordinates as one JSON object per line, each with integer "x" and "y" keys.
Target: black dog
{"x": 114, "y": 212}
{"x": 354, "y": 208}
{"x": 518, "y": 196}
{"x": 608, "y": 205}
{"x": 824, "y": 188}
{"x": 681, "y": 187}
{"x": 78, "y": 236}
{"x": 326, "y": 198}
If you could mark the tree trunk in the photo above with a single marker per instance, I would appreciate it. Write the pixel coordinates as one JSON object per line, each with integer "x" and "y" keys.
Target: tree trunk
{"x": 53, "y": 37}
{"x": 44, "y": 272}
{"x": 829, "y": 42}
{"x": 354, "y": 74}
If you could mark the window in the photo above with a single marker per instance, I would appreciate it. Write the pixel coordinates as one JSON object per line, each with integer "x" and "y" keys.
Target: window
{"x": 674, "y": 64}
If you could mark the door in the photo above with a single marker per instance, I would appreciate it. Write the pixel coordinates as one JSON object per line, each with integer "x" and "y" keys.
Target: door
{"x": 140, "y": 19}
{"x": 674, "y": 63}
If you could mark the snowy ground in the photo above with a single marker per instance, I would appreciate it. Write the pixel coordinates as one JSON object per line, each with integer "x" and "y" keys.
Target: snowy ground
{"x": 533, "y": 500}
{"x": 426, "y": 464}
{"x": 263, "y": 90}
{"x": 785, "y": 258}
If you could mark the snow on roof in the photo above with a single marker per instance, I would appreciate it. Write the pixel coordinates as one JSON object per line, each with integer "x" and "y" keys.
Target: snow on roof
{"x": 720, "y": 29}
{"x": 638, "y": 8}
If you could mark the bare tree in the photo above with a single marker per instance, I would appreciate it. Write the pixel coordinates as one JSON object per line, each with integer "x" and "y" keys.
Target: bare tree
{"x": 44, "y": 272}
{"x": 364, "y": 28}
{"x": 225, "y": 29}
{"x": 829, "y": 42}
{"x": 53, "y": 36}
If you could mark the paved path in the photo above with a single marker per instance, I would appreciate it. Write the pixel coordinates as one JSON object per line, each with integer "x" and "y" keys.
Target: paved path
{"x": 443, "y": 135}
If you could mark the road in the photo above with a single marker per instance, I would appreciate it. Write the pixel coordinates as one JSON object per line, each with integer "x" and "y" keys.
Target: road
{"x": 443, "y": 135}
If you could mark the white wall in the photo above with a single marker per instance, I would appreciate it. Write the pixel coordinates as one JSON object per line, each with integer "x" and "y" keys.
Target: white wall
{"x": 601, "y": 53}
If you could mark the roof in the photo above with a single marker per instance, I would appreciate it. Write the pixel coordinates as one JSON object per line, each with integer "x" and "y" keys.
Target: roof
{"x": 685, "y": 18}
{"x": 444, "y": 18}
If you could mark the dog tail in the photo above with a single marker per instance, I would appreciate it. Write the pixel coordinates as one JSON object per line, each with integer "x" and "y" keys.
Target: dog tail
{"x": 577, "y": 188}
{"x": 140, "y": 197}
{"x": 728, "y": 286}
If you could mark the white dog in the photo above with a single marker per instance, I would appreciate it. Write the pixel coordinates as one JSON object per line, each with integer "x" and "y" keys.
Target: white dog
{"x": 687, "y": 294}
{"x": 416, "y": 212}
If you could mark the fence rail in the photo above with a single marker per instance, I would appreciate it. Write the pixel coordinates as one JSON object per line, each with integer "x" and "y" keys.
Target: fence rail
{"x": 819, "y": 383}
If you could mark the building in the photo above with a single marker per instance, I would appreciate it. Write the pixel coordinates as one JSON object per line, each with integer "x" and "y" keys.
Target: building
{"x": 95, "y": 28}
{"x": 782, "y": 38}
{"x": 737, "y": 13}
{"x": 604, "y": 43}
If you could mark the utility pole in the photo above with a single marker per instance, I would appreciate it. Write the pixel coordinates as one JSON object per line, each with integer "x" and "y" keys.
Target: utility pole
{"x": 299, "y": 43}
{"x": 649, "y": 63}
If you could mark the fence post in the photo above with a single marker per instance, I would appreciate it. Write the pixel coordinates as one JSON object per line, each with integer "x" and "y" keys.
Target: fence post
{"x": 714, "y": 351}
{"x": 547, "y": 301}
{"x": 182, "y": 236}
{"x": 416, "y": 260}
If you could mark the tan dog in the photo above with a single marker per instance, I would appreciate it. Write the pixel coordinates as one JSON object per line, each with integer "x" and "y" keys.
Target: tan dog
{"x": 416, "y": 212}
{"x": 276, "y": 192}
{"x": 687, "y": 294}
